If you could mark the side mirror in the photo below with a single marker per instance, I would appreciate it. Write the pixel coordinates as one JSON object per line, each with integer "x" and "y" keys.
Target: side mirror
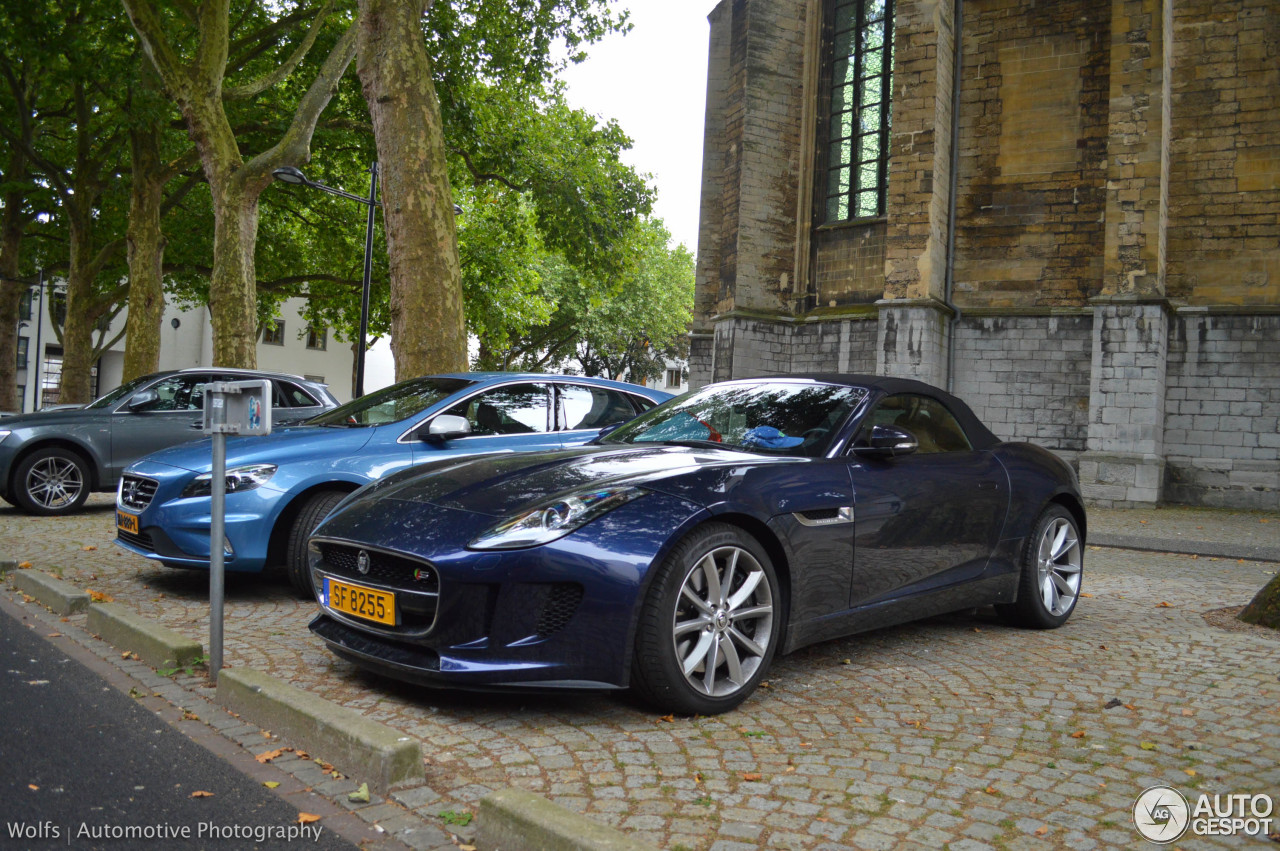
{"x": 446, "y": 427}
{"x": 889, "y": 442}
{"x": 142, "y": 399}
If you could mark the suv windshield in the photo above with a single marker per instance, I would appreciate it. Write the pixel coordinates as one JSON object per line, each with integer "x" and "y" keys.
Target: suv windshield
{"x": 777, "y": 418}
{"x": 120, "y": 392}
{"x": 391, "y": 404}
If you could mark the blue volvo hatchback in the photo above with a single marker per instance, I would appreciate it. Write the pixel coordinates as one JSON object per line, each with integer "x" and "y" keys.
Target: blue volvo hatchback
{"x": 281, "y": 486}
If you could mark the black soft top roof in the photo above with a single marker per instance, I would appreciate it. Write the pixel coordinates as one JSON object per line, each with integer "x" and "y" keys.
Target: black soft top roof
{"x": 979, "y": 435}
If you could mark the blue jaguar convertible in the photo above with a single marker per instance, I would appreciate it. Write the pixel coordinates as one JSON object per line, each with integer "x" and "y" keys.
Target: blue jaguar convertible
{"x": 682, "y": 551}
{"x": 281, "y": 485}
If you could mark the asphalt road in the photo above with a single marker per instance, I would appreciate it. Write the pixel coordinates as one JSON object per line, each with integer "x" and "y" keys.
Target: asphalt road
{"x": 84, "y": 766}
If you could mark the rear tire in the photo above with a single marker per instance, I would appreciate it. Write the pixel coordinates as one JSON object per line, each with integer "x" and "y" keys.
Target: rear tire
{"x": 50, "y": 482}
{"x": 1052, "y": 573}
{"x": 710, "y": 625}
{"x": 317, "y": 506}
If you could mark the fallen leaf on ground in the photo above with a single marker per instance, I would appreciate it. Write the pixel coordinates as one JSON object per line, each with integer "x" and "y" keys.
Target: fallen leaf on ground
{"x": 1188, "y": 712}
{"x": 26, "y": 565}
{"x": 54, "y": 635}
{"x": 201, "y": 794}
{"x": 1041, "y": 831}
{"x": 271, "y": 784}
{"x": 1083, "y": 594}
{"x": 361, "y": 795}
{"x": 99, "y": 597}
{"x": 307, "y": 818}
{"x": 88, "y": 549}
{"x": 1147, "y": 746}
{"x": 752, "y": 775}
{"x": 670, "y": 719}
{"x": 1078, "y": 734}
{"x": 33, "y": 787}
{"x": 1164, "y": 605}
{"x": 991, "y": 790}
{"x": 267, "y": 756}
{"x": 1190, "y": 772}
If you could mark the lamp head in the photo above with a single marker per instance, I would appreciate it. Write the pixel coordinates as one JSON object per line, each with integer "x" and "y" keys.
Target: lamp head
{"x": 289, "y": 174}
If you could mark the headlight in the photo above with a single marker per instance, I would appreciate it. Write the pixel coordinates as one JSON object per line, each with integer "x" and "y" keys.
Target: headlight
{"x": 554, "y": 519}
{"x": 244, "y": 478}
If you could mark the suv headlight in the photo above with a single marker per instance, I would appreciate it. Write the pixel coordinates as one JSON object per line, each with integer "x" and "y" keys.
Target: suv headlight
{"x": 554, "y": 519}
{"x": 244, "y": 478}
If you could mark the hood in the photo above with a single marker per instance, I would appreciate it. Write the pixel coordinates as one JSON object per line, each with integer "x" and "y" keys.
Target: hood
{"x": 295, "y": 443}
{"x": 499, "y": 485}
{"x": 59, "y": 417}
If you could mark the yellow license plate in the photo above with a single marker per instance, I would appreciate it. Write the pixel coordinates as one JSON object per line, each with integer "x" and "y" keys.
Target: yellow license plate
{"x": 127, "y": 522}
{"x": 368, "y": 603}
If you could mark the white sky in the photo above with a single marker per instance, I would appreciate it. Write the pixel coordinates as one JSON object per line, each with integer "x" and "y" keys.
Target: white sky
{"x": 653, "y": 82}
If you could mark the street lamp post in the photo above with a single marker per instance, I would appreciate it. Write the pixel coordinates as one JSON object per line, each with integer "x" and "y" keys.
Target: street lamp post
{"x": 289, "y": 174}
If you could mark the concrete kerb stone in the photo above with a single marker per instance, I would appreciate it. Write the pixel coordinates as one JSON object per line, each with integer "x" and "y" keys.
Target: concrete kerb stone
{"x": 517, "y": 820}
{"x": 155, "y": 645}
{"x": 62, "y": 598}
{"x": 6, "y": 565}
{"x": 372, "y": 752}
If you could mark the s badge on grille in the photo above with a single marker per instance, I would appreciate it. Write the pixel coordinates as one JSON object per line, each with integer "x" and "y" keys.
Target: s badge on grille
{"x": 362, "y": 562}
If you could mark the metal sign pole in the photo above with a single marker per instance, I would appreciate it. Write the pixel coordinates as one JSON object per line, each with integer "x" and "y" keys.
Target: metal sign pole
{"x": 217, "y": 532}
{"x": 230, "y": 407}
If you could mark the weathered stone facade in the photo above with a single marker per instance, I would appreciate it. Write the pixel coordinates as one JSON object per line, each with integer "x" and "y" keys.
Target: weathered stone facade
{"x": 1082, "y": 234}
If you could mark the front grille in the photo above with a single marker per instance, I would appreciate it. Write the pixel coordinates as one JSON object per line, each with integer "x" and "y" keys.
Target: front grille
{"x": 136, "y": 492}
{"x": 141, "y": 540}
{"x": 386, "y": 569}
{"x": 415, "y": 583}
{"x": 561, "y": 603}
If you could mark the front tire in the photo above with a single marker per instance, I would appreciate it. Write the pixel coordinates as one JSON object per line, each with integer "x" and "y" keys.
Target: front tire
{"x": 710, "y": 625}
{"x": 1052, "y": 571}
{"x": 50, "y": 482}
{"x": 308, "y": 518}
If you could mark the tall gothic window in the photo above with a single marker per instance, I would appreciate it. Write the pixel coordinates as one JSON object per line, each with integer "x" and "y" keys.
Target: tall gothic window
{"x": 861, "y": 86}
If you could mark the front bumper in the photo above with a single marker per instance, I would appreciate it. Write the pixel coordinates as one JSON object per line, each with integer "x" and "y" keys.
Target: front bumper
{"x": 561, "y": 615}
{"x": 174, "y": 530}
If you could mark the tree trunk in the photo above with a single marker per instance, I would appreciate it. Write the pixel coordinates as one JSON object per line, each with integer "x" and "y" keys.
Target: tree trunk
{"x": 146, "y": 257}
{"x": 233, "y": 295}
{"x": 11, "y": 229}
{"x": 1264, "y": 609}
{"x": 428, "y": 327}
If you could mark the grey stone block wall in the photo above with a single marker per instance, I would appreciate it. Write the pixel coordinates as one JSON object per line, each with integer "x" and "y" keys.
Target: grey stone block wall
{"x": 1027, "y": 377}
{"x": 838, "y": 346}
{"x": 1222, "y": 410}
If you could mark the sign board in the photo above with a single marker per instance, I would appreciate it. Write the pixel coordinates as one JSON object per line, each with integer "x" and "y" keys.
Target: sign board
{"x": 238, "y": 407}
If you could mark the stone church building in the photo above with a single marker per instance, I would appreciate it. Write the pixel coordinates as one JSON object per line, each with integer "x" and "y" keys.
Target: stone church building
{"x": 1065, "y": 211}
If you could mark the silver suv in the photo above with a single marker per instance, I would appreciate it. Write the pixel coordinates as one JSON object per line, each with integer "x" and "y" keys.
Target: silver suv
{"x": 50, "y": 461}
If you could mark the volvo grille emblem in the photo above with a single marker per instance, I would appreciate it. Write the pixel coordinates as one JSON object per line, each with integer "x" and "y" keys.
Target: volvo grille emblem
{"x": 130, "y": 492}
{"x": 362, "y": 562}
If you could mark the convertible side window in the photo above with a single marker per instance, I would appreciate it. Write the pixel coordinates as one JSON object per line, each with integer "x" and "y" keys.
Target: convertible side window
{"x": 934, "y": 427}
{"x": 514, "y": 409}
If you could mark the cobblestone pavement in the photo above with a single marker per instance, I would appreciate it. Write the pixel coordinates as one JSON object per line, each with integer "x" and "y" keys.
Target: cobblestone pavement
{"x": 956, "y": 730}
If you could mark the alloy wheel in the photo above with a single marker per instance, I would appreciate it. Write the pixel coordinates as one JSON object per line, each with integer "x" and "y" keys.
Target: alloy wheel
{"x": 1059, "y": 565}
{"x": 723, "y": 621}
{"x": 54, "y": 482}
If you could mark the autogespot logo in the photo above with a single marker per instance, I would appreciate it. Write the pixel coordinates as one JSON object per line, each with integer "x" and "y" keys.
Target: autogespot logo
{"x": 1161, "y": 814}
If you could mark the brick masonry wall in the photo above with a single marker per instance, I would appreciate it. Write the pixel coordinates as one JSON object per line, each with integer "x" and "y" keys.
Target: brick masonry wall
{"x": 1033, "y": 148}
{"x": 1027, "y": 377}
{"x": 1222, "y": 407}
{"x": 835, "y": 346}
{"x": 1224, "y": 231}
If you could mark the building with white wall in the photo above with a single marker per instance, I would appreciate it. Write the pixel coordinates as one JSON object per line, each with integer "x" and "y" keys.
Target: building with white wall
{"x": 186, "y": 340}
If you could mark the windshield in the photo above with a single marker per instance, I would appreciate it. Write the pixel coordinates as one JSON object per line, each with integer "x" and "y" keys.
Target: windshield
{"x": 120, "y": 392}
{"x": 773, "y": 417}
{"x": 391, "y": 404}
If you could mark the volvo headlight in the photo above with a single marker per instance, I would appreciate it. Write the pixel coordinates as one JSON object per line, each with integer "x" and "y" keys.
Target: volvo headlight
{"x": 554, "y": 519}
{"x": 244, "y": 478}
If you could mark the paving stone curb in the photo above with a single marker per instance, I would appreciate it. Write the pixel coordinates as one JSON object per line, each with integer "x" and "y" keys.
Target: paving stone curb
{"x": 362, "y": 748}
{"x": 517, "y": 820}
{"x": 1211, "y": 549}
{"x": 60, "y": 597}
{"x": 156, "y": 645}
